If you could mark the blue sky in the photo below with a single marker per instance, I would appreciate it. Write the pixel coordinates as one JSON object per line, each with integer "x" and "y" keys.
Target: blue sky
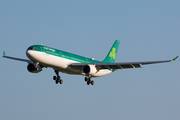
{"x": 148, "y": 30}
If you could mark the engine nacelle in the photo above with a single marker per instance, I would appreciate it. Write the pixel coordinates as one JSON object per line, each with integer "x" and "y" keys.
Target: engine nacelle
{"x": 33, "y": 68}
{"x": 89, "y": 69}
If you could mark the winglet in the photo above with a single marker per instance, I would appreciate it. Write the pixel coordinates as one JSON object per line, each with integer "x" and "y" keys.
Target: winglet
{"x": 4, "y": 54}
{"x": 175, "y": 58}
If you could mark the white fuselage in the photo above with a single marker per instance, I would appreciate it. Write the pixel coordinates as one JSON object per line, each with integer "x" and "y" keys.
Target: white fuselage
{"x": 60, "y": 63}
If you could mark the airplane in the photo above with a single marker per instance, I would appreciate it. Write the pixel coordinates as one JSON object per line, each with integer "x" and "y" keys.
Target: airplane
{"x": 41, "y": 56}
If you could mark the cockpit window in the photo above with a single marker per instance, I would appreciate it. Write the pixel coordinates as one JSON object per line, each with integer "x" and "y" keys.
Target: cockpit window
{"x": 32, "y": 48}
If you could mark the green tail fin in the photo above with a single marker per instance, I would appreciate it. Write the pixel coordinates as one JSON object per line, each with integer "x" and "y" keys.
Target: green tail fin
{"x": 110, "y": 58}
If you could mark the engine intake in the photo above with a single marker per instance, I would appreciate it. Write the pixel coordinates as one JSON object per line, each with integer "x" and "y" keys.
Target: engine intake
{"x": 33, "y": 68}
{"x": 89, "y": 69}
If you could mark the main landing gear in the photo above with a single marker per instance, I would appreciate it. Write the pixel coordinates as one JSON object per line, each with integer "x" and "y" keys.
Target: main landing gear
{"x": 89, "y": 80}
{"x": 57, "y": 78}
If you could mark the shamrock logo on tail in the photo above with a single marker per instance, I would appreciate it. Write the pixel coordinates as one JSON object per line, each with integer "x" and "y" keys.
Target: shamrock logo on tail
{"x": 113, "y": 54}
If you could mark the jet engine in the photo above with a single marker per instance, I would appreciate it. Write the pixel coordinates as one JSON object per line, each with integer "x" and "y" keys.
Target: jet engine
{"x": 34, "y": 68}
{"x": 89, "y": 69}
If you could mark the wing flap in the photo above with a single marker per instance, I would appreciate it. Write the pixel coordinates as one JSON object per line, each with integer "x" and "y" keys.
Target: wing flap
{"x": 118, "y": 66}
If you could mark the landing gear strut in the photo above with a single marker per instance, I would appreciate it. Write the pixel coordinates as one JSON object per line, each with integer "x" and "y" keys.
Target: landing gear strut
{"x": 57, "y": 78}
{"x": 89, "y": 80}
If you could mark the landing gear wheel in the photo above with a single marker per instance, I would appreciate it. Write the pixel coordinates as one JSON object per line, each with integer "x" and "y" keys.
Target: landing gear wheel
{"x": 54, "y": 77}
{"x": 86, "y": 78}
{"x": 61, "y": 81}
{"x": 88, "y": 82}
{"x": 92, "y": 82}
{"x": 57, "y": 78}
{"x": 56, "y": 81}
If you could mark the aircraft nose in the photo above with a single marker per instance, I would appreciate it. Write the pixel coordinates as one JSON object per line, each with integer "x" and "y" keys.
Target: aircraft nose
{"x": 28, "y": 53}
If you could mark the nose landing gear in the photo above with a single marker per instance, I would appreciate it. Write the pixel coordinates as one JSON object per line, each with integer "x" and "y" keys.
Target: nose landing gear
{"x": 57, "y": 78}
{"x": 89, "y": 80}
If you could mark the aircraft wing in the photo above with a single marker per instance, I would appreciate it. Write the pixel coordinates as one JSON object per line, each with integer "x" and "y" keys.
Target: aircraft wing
{"x": 120, "y": 65}
{"x": 18, "y": 59}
